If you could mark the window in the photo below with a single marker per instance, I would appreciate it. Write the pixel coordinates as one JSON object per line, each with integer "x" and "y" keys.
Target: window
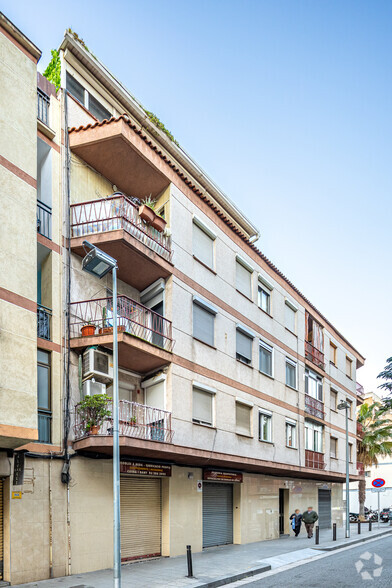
{"x": 244, "y": 278}
{"x": 349, "y": 367}
{"x": 97, "y": 109}
{"x": 264, "y": 298}
{"x": 313, "y": 385}
{"x": 291, "y": 433}
{"x": 350, "y": 452}
{"x": 202, "y": 406}
{"x": 334, "y": 447}
{"x": 203, "y": 321}
{"x": 334, "y": 400}
{"x": 244, "y": 342}
{"x": 44, "y": 397}
{"x": 290, "y": 317}
{"x": 313, "y": 437}
{"x": 350, "y": 408}
{"x": 265, "y": 426}
{"x": 265, "y": 358}
{"x": 203, "y": 243}
{"x": 291, "y": 373}
{"x": 243, "y": 413}
{"x": 368, "y": 473}
{"x": 75, "y": 88}
{"x": 332, "y": 353}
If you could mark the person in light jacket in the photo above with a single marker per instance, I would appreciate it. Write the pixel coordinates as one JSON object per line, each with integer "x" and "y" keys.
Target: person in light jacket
{"x": 296, "y": 520}
{"x": 309, "y": 517}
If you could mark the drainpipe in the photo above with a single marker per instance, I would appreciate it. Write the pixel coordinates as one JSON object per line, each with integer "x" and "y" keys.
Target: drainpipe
{"x": 50, "y": 521}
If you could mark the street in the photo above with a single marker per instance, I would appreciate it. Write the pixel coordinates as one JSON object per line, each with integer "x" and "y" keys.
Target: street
{"x": 345, "y": 569}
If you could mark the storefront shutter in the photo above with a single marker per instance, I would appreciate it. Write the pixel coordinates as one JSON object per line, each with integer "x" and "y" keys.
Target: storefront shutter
{"x": 1, "y": 531}
{"x": 217, "y": 514}
{"x": 324, "y": 508}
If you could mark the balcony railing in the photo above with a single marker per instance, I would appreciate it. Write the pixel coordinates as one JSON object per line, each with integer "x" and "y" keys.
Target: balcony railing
{"x": 314, "y": 460}
{"x": 132, "y": 318}
{"x": 314, "y": 407}
{"x": 135, "y": 420}
{"x": 44, "y": 219}
{"x": 360, "y": 390}
{"x": 360, "y": 431}
{"x": 113, "y": 213}
{"x": 43, "y": 106}
{"x": 314, "y": 355}
{"x": 43, "y": 322}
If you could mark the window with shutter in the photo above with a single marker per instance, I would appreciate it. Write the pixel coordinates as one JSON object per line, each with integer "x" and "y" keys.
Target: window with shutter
{"x": 244, "y": 347}
{"x": 349, "y": 367}
{"x": 75, "y": 88}
{"x": 290, "y": 314}
{"x": 334, "y": 447}
{"x": 202, "y": 406}
{"x": 203, "y": 324}
{"x": 264, "y": 299}
{"x": 291, "y": 373}
{"x": 203, "y": 246}
{"x": 97, "y": 109}
{"x": 243, "y": 418}
{"x": 313, "y": 385}
{"x": 291, "y": 434}
{"x": 243, "y": 279}
{"x": 265, "y": 357}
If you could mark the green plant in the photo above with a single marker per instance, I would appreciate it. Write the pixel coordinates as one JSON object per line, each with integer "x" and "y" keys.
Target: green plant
{"x": 93, "y": 410}
{"x": 153, "y": 118}
{"x": 53, "y": 69}
{"x": 150, "y": 202}
{"x": 77, "y": 38}
{"x": 132, "y": 420}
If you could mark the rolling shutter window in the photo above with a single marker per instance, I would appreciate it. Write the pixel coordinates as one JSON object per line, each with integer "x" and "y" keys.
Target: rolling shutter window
{"x": 203, "y": 246}
{"x": 202, "y": 406}
{"x": 217, "y": 514}
{"x": 265, "y": 359}
{"x": 75, "y": 88}
{"x": 203, "y": 324}
{"x": 290, "y": 318}
{"x": 155, "y": 395}
{"x": 324, "y": 508}
{"x": 243, "y": 279}
{"x": 243, "y": 416}
{"x": 244, "y": 347}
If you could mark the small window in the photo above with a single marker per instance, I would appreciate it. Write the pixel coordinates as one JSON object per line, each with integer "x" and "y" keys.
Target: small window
{"x": 291, "y": 373}
{"x": 350, "y": 408}
{"x": 203, "y": 244}
{"x": 334, "y": 447}
{"x": 75, "y": 88}
{"x": 313, "y": 385}
{"x": 265, "y": 426}
{"x": 202, "y": 406}
{"x": 349, "y": 367}
{"x": 97, "y": 109}
{"x": 243, "y": 278}
{"x": 291, "y": 434}
{"x": 243, "y": 414}
{"x": 368, "y": 473}
{"x": 313, "y": 437}
{"x": 264, "y": 299}
{"x": 44, "y": 396}
{"x": 290, "y": 317}
{"x": 265, "y": 358}
{"x": 350, "y": 452}
{"x": 332, "y": 353}
{"x": 334, "y": 400}
{"x": 244, "y": 346}
{"x": 203, "y": 323}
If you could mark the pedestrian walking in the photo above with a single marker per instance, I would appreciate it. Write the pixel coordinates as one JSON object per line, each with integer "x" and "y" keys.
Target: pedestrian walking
{"x": 296, "y": 520}
{"x": 309, "y": 517}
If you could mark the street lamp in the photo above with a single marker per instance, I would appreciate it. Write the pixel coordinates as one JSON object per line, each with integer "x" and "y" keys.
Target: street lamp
{"x": 344, "y": 405}
{"x": 98, "y": 263}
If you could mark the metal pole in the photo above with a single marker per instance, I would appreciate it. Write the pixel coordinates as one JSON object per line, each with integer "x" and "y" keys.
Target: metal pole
{"x": 317, "y": 535}
{"x": 116, "y": 449}
{"x": 370, "y": 525}
{"x": 378, "y": 516}
{"x": 189, "y": 561}
{"x": 359, "y": 527}
{"x": 347, "y": 480}
{"x": 334, "y": 532}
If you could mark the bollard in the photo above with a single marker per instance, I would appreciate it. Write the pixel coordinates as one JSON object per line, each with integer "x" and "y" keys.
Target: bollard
{"x": 370, "y": 525}
{"x": 359, "y": 527}
{"x": 189, "y": 561}
{"x": 317, "y": 535}
{"x": 334, "y": 532}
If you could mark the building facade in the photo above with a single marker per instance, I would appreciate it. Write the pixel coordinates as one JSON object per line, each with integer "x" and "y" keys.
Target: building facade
{"x": 229, "y": 377}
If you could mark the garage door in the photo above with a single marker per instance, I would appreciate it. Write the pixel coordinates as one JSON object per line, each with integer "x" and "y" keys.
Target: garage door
{"x": 217, "y": 514}
{"x": 324, "y": 509}
{"x": 140, "y": 502}
{"x": 1, "y": 531}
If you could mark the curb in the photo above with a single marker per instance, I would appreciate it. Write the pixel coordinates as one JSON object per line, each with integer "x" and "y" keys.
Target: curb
{"x": 229, "y": 579}
{"x": 352, "y": 542}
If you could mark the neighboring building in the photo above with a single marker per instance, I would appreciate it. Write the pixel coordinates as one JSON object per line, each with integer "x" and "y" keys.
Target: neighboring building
{"x": 229, "y": 377}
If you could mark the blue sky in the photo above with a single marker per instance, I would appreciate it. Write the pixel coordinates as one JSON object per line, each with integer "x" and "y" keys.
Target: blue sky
{"x": 287, "y": 106}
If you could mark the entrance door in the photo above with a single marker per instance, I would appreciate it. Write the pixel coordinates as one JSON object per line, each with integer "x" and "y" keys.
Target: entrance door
{"x": 324, "y": 509}
{"x": 217, "y": 514}
{"x": 1, "y": 531}
{"x": 281, "y": 511}
{"x": 140, "y": 502}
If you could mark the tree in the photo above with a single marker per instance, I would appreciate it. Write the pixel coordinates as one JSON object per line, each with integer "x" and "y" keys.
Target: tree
{"x": 386, "y": 375}
{"x": 375, "y": 443}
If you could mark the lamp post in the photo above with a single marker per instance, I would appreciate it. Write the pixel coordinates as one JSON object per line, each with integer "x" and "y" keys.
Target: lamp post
{"x": 344, "y": 405}
{"x": 98, "y": 263}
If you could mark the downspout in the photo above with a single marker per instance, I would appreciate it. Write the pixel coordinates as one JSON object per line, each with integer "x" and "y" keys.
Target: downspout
{"x": 50, "y": 521}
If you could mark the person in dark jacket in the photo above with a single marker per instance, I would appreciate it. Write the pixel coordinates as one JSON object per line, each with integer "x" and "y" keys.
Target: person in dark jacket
{"x": 296, "y": 520}
{"x": 309, "y": 517}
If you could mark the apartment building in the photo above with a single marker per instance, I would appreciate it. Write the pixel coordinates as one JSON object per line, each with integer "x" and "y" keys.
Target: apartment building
{"x": 229, "y": 378}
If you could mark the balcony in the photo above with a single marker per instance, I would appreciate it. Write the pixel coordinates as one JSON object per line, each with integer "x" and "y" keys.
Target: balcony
{"x": 44, "y": 219}
{"x": 115, "y": 226}
{"x": 144, "y": 337}
{"x": 43, "y": 107}
{"x": 360, "y": 468}
{"x": 314, "y": 355}
{"x": 314, "y": 407}
{"x": 314, "y": 460}
{"x": 43, "y": 322}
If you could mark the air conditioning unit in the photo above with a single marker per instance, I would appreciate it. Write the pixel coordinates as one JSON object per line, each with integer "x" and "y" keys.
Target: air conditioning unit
{"x": 91, "y": 388}
{"x": 98, "y": 365}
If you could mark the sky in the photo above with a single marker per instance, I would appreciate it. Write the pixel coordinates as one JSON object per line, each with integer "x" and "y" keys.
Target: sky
{"x": 286, "y": 104}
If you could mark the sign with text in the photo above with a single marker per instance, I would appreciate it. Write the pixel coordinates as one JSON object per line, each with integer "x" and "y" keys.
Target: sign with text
{"x": 17, "y": 494}
{"x": 138, "y": 468}
{"x": 378, "y": 489}
{"x": 378, "y": 483}
{"x": 222, "y": 476}
{"x": 19, "y": 463}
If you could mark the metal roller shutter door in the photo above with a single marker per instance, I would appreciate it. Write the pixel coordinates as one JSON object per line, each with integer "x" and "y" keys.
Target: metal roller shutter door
{"x": 140, "y": 502}
{"x": 1, "y": 531}
{"x": 324, "y": 509}
{"x": 217, "y": 514}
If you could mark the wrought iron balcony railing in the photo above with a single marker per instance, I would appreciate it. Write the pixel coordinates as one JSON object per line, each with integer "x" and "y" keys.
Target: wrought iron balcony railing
{"x": 314, "y": 460}
{"x": 314, "y": 407}
{"x": 133, "y": 318}
{"x": 113, "y": 213}
{"x": 135, "y": 420}
{"x": 314, "y": 355}
{"x": 43, "y": 322}
{"x": 43, "y": 106}
{"x": 44, "y": 219}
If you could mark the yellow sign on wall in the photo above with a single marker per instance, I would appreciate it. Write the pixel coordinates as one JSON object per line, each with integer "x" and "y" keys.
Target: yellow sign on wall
{"x": 17, "y": 494}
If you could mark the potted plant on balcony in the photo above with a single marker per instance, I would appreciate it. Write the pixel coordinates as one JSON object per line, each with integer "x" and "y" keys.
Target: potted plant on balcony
{"x": 88, "y": 329}
{"x": 106, "y": 328}
{"x": 159, "y": 222}
{"x": 93, "y": 410}
{"x": 146, "y": 210}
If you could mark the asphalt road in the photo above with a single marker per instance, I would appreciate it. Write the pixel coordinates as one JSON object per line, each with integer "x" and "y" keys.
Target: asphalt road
{"x": 345, "y": 569}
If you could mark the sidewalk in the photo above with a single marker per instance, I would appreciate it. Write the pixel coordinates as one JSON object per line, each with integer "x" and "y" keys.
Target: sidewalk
{"x": 216, "y": 566}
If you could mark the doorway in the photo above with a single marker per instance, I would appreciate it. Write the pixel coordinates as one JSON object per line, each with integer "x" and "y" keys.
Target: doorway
{"x": 283, "y": 509}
